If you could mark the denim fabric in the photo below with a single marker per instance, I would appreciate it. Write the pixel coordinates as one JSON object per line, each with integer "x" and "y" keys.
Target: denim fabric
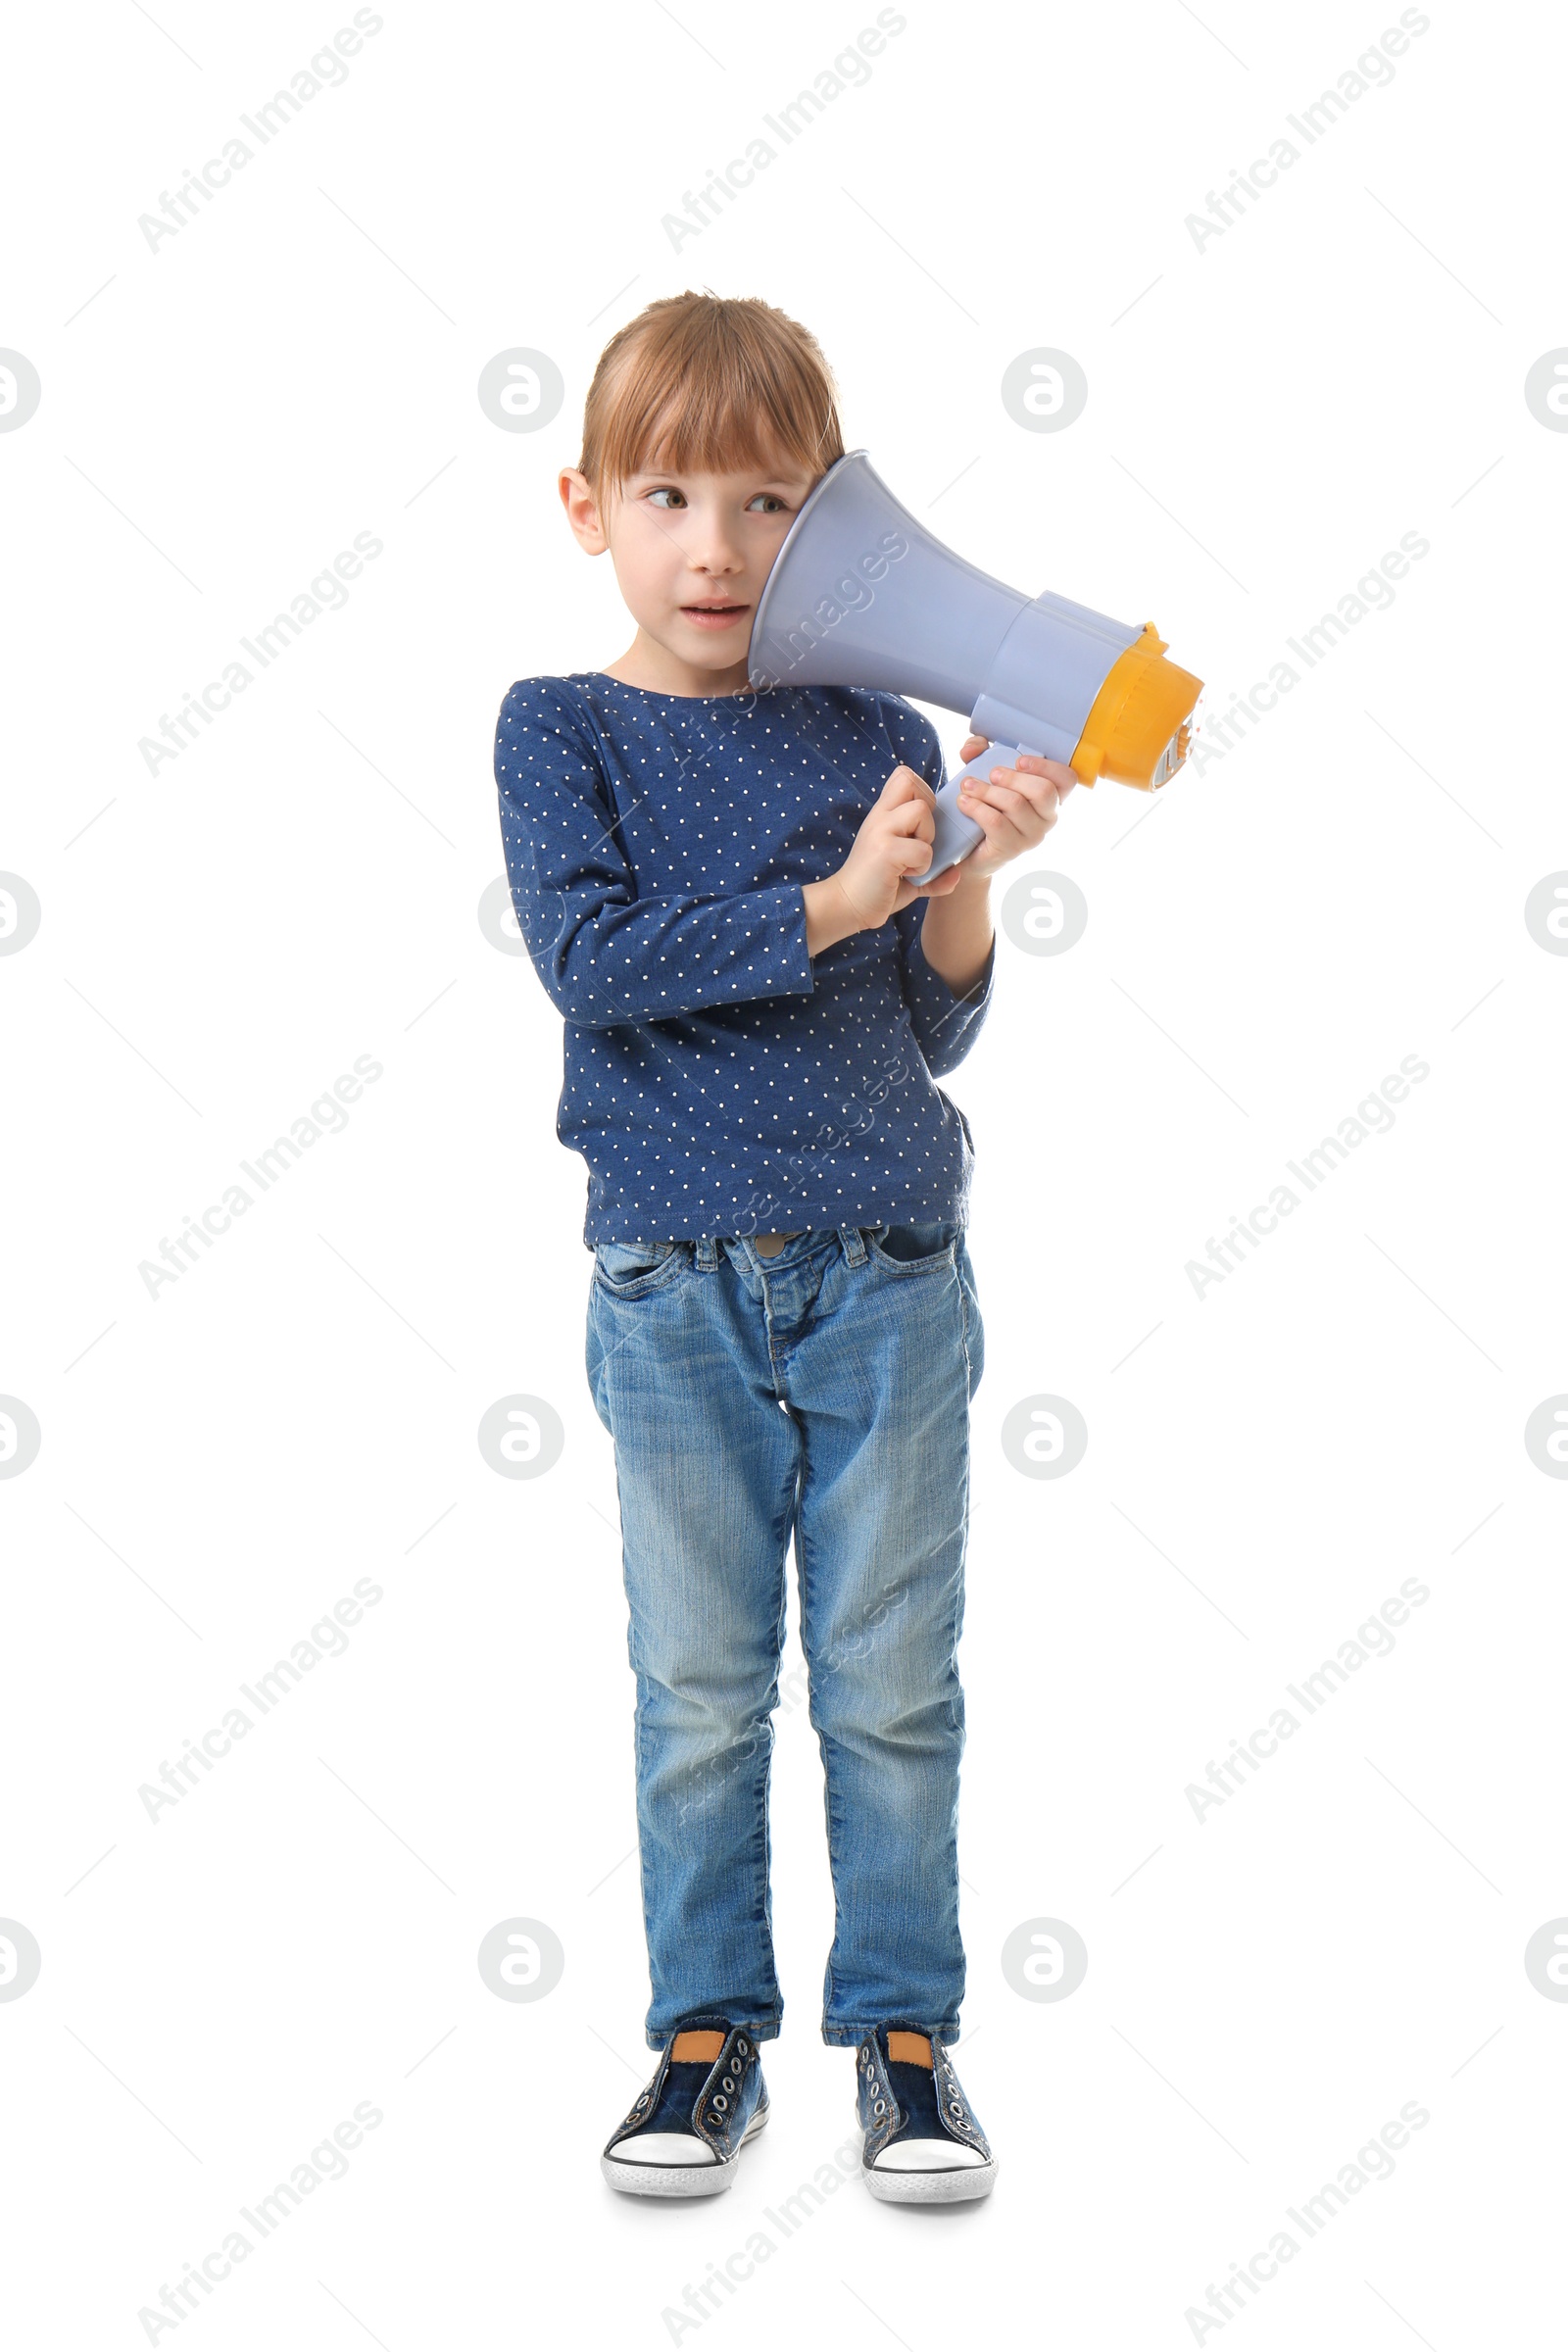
{"x": 714, "y": 2099}
{"x": 899, "y": 2101}
{"x": 824, "y": 1391}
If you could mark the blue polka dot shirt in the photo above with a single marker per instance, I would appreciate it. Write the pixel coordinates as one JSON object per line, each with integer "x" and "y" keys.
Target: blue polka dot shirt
{"x": 717, "y": 1078}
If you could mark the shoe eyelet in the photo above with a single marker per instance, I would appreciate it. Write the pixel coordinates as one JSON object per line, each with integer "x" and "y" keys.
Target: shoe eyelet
{"x": 719, "y": 2101}
{"x": 729, "y": 2081}
{"x": 879, "y": 2107}
{"x": 741, "y": 2045}
{"x": 954, "y": 2107}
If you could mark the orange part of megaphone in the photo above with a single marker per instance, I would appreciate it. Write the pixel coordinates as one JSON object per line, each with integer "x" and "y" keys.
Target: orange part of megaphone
{"x": 1138, "y": 728}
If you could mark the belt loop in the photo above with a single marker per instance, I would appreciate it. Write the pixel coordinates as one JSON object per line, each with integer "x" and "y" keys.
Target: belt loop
{"x": 707, "y": 1254}
{"x": 852, "y": 1244}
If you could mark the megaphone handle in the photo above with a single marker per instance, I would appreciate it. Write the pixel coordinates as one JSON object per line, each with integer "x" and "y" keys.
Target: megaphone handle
{"x": 956, "y": 834}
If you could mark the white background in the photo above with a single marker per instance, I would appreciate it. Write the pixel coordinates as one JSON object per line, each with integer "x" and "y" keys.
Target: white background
{"x": 219, "y": 940}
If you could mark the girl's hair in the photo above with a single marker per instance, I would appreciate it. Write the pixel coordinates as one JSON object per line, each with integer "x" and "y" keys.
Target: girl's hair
{"x": 709, "y": 385}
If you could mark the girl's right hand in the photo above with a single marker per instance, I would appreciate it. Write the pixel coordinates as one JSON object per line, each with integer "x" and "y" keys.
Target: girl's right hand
{"x": 894, "y": 841}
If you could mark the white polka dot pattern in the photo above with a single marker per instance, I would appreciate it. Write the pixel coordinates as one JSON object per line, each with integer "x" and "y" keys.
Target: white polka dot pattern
{"x": 718, "y": 1079}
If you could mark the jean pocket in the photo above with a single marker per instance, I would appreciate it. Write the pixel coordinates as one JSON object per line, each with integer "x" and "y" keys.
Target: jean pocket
{"x": 630, "y": 1269}
{"x": 914, "y": 1248}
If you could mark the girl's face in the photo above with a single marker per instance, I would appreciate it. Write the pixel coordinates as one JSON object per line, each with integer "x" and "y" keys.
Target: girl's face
{"x": 692, "y": 553}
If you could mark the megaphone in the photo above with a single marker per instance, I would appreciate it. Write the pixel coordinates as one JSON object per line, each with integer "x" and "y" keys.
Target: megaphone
{"x": 862, "y": 595}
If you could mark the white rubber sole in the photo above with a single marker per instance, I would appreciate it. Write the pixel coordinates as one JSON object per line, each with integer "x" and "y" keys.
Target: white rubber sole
{"x": 949, "y": 2184}
{"x": 678, "y": 2180}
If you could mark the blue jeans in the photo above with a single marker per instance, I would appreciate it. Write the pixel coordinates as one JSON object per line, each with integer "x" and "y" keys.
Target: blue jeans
{"x": 825, "y": 1391}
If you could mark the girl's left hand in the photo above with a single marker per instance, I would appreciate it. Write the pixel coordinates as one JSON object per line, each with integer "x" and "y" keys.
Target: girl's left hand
{"x": 1015, "y": 806}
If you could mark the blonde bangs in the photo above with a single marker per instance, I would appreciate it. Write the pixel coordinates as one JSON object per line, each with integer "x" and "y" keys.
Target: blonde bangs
{"x": 701, "y": 384}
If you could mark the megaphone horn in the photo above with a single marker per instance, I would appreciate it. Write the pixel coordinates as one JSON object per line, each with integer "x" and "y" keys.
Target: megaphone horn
{"x": 862, "y": 595}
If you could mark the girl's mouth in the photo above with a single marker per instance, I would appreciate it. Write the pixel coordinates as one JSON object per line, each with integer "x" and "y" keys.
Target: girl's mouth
{"x": 714, "y": 616}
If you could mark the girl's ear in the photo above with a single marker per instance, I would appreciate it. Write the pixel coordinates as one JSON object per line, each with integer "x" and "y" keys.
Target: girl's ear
{"x": 582, "y": 511}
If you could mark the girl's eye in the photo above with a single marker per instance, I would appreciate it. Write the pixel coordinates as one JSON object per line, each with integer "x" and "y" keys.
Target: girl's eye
{"x": 772, "y": 503}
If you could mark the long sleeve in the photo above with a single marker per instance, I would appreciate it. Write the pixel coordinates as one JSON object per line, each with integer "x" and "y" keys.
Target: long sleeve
{"x": 605, "y": 953}
{"x": 944, "y": 1024}
{"x": 705, "y": 1056}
